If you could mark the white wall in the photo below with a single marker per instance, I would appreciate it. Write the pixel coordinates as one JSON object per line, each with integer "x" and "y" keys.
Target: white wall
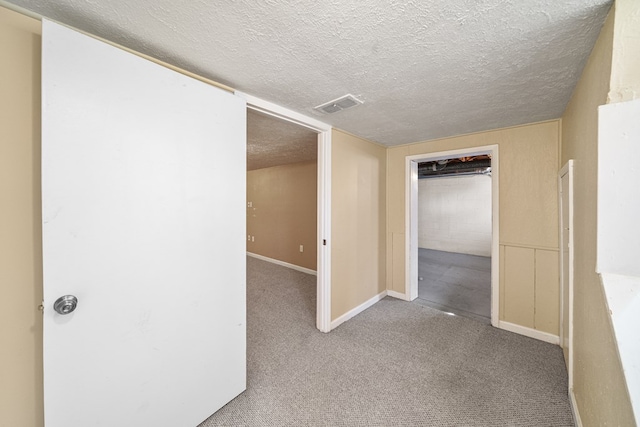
{"x": 618, "y": 231}
{"x": 454, "y": 214}
{"x": 618, "y": 176}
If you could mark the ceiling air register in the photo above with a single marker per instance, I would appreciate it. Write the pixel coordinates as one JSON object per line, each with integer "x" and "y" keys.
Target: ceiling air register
{"x": 338, "y": 104}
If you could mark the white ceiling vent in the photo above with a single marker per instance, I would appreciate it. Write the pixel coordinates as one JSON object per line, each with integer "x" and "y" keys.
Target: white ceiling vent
{"x": 338, "y": 104}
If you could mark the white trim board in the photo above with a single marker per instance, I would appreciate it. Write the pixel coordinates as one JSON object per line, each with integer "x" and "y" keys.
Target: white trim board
{"x": 359, "y": 309}
{"x": 282, "y": 263}
{"x": 529, "y": 332}
{"x": 567, "y": 170}
{"x": 323, "y": 265}
{"x": 574, "y": 408}
{"x": 275, "y": 110}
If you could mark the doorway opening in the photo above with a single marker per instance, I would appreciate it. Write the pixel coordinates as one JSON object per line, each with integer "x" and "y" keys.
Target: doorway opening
{"x": 281, "y": 192}
{"x": 454, "y": 236}
{"x": 282, "y": 200}
{"x": 264, "y": 109}
{"x": 452, "y": 232}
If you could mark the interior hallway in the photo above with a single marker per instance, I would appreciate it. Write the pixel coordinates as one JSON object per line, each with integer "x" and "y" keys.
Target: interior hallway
{"x": 395, "y": 364}
{"x": 455, "y": 283}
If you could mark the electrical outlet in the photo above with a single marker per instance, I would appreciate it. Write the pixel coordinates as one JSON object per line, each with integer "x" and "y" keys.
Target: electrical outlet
{"x": 301, "y": 248}
{"x": 248, "y": 238}
{"x": 249, "y": 204}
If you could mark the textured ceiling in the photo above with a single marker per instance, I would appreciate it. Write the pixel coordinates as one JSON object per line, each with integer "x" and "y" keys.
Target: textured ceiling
{"x": 273, "y": 142}
{"x": 424, "y": 68}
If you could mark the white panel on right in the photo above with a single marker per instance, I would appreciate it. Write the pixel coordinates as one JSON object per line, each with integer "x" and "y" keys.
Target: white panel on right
{"x": 619, "y": 231}
{"x": 454, "y": 214}
{"x": 618, "y": 178}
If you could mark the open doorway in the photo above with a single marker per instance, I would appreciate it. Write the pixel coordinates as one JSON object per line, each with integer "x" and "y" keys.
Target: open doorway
{"x": 454, "y": 236}
{"x": 446, "y": 268}
{"x": 281, "y": 220}
{"x": 323, "y": 197}
{"x": 282, "y": 192}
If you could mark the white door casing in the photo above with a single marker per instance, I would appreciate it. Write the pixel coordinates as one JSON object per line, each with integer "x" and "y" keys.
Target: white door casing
{"x": 143, "y": 183}
{"x": 411, "y": 220}
{"x": 565, "y": 196}
{"x": 323, "y": 264}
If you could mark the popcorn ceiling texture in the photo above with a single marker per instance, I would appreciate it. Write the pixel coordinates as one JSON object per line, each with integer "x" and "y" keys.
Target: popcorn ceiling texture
{"x": 424, "y": 68}
{"x": 273, "y": 142}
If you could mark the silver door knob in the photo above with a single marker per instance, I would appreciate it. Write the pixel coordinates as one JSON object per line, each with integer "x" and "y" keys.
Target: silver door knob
{"x": 65, "y": 304}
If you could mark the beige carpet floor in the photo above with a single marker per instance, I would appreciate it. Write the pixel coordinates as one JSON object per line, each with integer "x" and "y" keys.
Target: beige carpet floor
{"x": 396, "y": 364}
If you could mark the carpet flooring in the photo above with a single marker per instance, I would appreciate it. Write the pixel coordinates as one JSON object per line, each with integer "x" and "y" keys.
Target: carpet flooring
{"x": 457, "y": 283}
{"x": 395, "y": 364}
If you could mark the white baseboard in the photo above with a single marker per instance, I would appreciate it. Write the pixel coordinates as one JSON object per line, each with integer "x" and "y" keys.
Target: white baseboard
{"x": 528, "y": 332}
{"x": 359, "y": 309}
{"x": 282, "y": 263}
{"x": 398, "y": 295}
{"x": 574, "y": 408}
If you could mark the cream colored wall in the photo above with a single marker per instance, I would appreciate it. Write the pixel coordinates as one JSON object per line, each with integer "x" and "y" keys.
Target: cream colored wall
{"x": 358, "y": 215}
{"x": 528, "y": 167}
{"x": 599, "y": 385}
{"x": 625, "y": 69}
{"x": 21, "y": 399}
{"x": 283, "y": 215}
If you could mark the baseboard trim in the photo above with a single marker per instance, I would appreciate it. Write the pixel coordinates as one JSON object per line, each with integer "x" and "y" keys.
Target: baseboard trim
{"x": 574, "y": 408}
{"x": 282, "y": 263}
{"x": 359, "y": 309}
{"x": 398, "y": 295}
{"x": 528, "y": 332}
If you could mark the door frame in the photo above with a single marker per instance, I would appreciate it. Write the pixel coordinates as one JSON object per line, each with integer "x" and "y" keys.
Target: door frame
{"x": 567, "y": 170}
{"x": 411, "y": 220}
{"x": 323, "y": 263}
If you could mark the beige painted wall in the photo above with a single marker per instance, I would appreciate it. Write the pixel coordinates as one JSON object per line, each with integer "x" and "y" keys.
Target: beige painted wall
{"x": 599, "y": 384}
{"x": 528, "y": 165}
{"x": 283, "y": 215}
{"x": 20, "y": 222}
{"x": 358, "y": 217}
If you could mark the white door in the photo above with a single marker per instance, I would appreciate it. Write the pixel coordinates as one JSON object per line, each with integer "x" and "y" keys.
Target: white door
{"x": 143, "y": 187}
